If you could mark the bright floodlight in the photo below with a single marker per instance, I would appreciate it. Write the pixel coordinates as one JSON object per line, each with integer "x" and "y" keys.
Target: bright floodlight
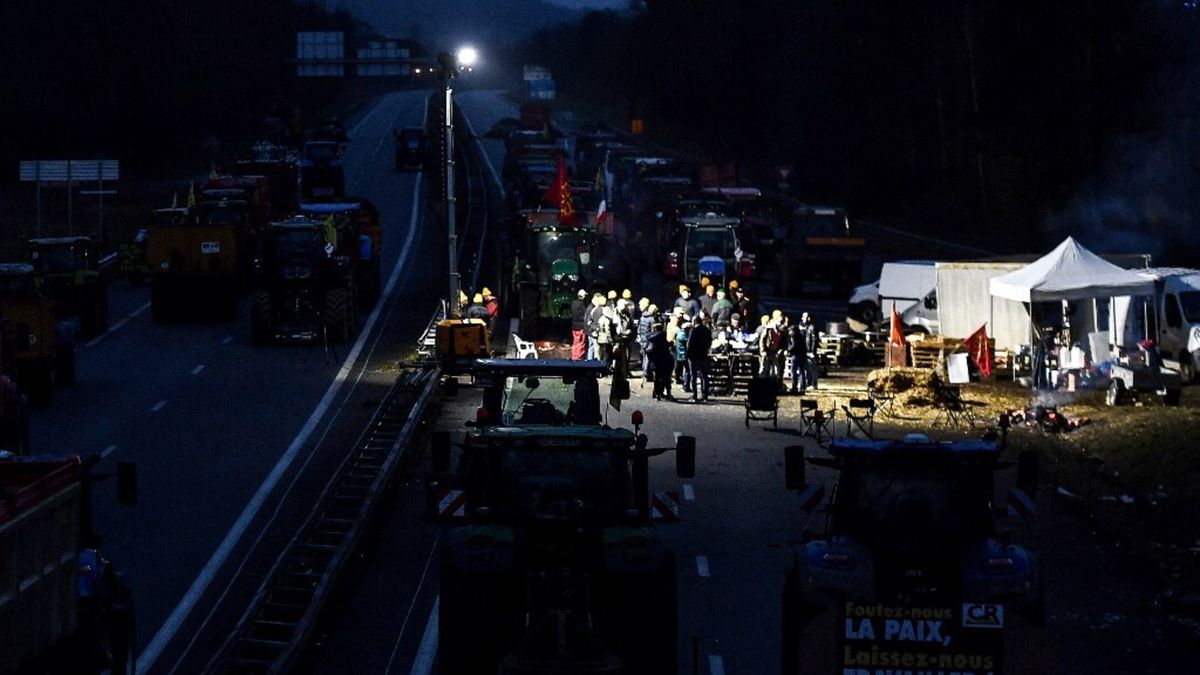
{"x": 467, "y": 56}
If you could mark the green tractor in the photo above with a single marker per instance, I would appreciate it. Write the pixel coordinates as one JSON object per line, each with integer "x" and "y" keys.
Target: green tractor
{"x": 553, "y": 563}
{"x": 306, "y": 289}
{"x": 557, "y": 261}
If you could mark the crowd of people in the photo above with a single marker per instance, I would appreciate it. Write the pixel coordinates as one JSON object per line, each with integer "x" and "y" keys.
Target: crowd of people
{"x": 674, "y": 345}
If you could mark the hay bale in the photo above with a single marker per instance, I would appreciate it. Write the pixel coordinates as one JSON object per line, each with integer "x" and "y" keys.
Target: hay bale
{"x": 908, "y": 386}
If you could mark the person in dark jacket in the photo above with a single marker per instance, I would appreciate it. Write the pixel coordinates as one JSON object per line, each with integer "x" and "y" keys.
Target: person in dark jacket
{"x": 685, "y": 300}
{"x": 708, "y": 299}
{"x": 797, "y": 347}
{"x": 644, "y": 328}
{"x": 812, "y": 341}
{"x": 477, "y": 310}
{"x": 662, "y": 359}
{"x": 699, "y": 343}
{"x": 579, "y": 340}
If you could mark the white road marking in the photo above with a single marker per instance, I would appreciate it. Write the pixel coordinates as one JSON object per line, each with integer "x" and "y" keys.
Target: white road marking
{"x": 159, "y": 406}
{"x": 483, "y": 153}
{"x": 407, "y": 615}
{"x": 117, "y": 326}
{"x": 200, "y": 585}
{"x": 423, "y": 664}
{"x": 689, "y": 493}
{"x": 104, "y": 454}
{"x": 716, "y": 665}
{"x": 227, "y": 339}
{"x": 197, "y": 369}
{"x": 702, "y": 566}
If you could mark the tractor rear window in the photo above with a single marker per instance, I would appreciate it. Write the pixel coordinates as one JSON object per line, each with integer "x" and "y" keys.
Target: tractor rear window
{"x": 561, "y": 482}
{"x": 708, "y": 242}
{"x": 537, "y": 400}
{"x": 55, "y": 260}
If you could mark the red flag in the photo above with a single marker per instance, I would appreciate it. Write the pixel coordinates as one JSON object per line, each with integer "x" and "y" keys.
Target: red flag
{"x": 897, "y": 337}
{"x": 977, "y": 347}
{"x": 559, "y": 194}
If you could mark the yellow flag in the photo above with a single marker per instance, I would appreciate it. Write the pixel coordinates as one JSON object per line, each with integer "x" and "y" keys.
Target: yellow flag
{"x": 330, "y": 232}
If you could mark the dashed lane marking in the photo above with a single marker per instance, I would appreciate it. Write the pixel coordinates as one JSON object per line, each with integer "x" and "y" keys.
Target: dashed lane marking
{"x": 716, "y": 665}
{"x": 117, "y": 326}
{"x": 159, "y": 406}
{"x": 689, "y": 493}
{"x": 197, "y": 369}
{"x": 702, "y": 566}
{"x": 423, "y": 664}
{"x": 204, "y": 579}
{"x": 104, "y": 454}
{"x": 227, "y": 339}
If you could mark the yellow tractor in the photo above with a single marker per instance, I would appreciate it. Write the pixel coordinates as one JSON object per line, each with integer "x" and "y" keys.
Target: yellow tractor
{"x": 37, "y": 349}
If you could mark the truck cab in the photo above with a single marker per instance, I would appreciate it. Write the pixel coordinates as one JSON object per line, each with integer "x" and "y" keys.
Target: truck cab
{"x": 321, "y": 170}
{"x": 708, "y": 247}
{"x": 819, "y": 248}
{"x": 75, "y": 274}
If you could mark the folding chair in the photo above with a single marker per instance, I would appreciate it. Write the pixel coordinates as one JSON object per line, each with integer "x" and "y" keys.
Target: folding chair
{"x": 525, "y": 348}
{"x": 953, "y": 411}
{"x": 762, "y": 401}
{"x": 814, "y": 421}
{"x": 860, "y": 412}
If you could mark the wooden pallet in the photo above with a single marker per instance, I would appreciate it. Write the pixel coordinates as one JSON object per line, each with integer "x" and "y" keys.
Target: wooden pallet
{"x": 931, "y": 352}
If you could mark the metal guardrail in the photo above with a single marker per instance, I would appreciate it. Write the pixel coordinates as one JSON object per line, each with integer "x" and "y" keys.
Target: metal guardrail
{"x": 283, "y": 612}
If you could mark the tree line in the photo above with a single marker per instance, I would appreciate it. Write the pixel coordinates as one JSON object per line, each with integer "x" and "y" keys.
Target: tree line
{"x": 1003, "y": 123}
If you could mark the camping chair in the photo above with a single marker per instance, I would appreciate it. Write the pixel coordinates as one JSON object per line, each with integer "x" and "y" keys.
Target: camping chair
{"x": 525, "y": 348}
{"x": 860, "y": 412}
{"x": 762, "y": 401}
{"x": 953, "y": 411}
{"x": 814, "y": 421}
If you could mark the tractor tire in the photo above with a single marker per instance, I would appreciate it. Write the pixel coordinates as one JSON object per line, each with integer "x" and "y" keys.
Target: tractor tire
{"x": 867, "y": 312}
{"x": 66, "y": 353}
{"x": 336, "y": 314}
{"x": 638, "y": 616}
{"x": 260, "y": 318}
{"x": 159, "y": 303}
{"x": 38, "y": 382}
{"x": 477, "y": 619}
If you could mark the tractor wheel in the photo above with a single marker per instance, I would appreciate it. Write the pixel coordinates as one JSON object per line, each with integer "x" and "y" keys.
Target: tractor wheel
{"x": 260, "y": 318}
{"x": 1116, "y": 393}
{"x": 335, "y": 314}
{"x": 868, "y": 312}
{"x": 476, "y": 619}
{"x": 65, "y": 372}
{"x": 159, "y": 300}
{"x": 638, "y": 615}
{"x": 38, "y": 382}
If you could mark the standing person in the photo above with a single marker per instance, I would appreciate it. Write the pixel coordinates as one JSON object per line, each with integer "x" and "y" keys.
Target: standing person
{"x": 741, "y": 302}
{"x": 770, "y": 344}
{"x": 812, "y": 341}
{"x": 591, "y": 320}
{"x": 579, "y": 337}
{"x": 625, "y": 329}
{"x": 699, "y": 343}
{"x": 797, "y": 346}
{"x": 687, "y": 302}
{"x": 708, "y": 299}
{"x": 683, "y": 374}
{"x": 722, "y": 309}
{"x": 662, "y": 359}
{"x": 641, "y": 308}
{"x": 645, "y": 326}
{"x": 606, "y": 331}
{"x": 492, "y": 304}
{"x": 477, "y": 310}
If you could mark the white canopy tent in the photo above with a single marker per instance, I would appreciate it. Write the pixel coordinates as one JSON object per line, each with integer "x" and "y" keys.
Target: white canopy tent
{"x": 1069, "y": 272}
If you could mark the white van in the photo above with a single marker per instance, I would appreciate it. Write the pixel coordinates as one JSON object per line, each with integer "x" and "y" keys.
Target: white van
{"x": 911, "y": 285}
{"x": 1173, "y": 321}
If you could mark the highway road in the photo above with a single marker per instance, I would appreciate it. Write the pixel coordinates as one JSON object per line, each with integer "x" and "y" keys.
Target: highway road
{"x": 231, "y": 440}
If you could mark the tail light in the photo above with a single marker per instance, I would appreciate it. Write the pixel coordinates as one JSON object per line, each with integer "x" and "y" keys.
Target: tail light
{"x": 671, "y": 269}
{"x": 481, "y": 540}
{"x": 481, "y": 415}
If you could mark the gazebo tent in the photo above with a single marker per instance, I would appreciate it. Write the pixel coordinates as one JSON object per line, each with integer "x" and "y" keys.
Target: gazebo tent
{"x": 1069, "y": 272}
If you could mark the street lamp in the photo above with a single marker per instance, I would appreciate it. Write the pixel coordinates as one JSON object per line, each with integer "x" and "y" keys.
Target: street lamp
{"x": 450, "y": 66}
